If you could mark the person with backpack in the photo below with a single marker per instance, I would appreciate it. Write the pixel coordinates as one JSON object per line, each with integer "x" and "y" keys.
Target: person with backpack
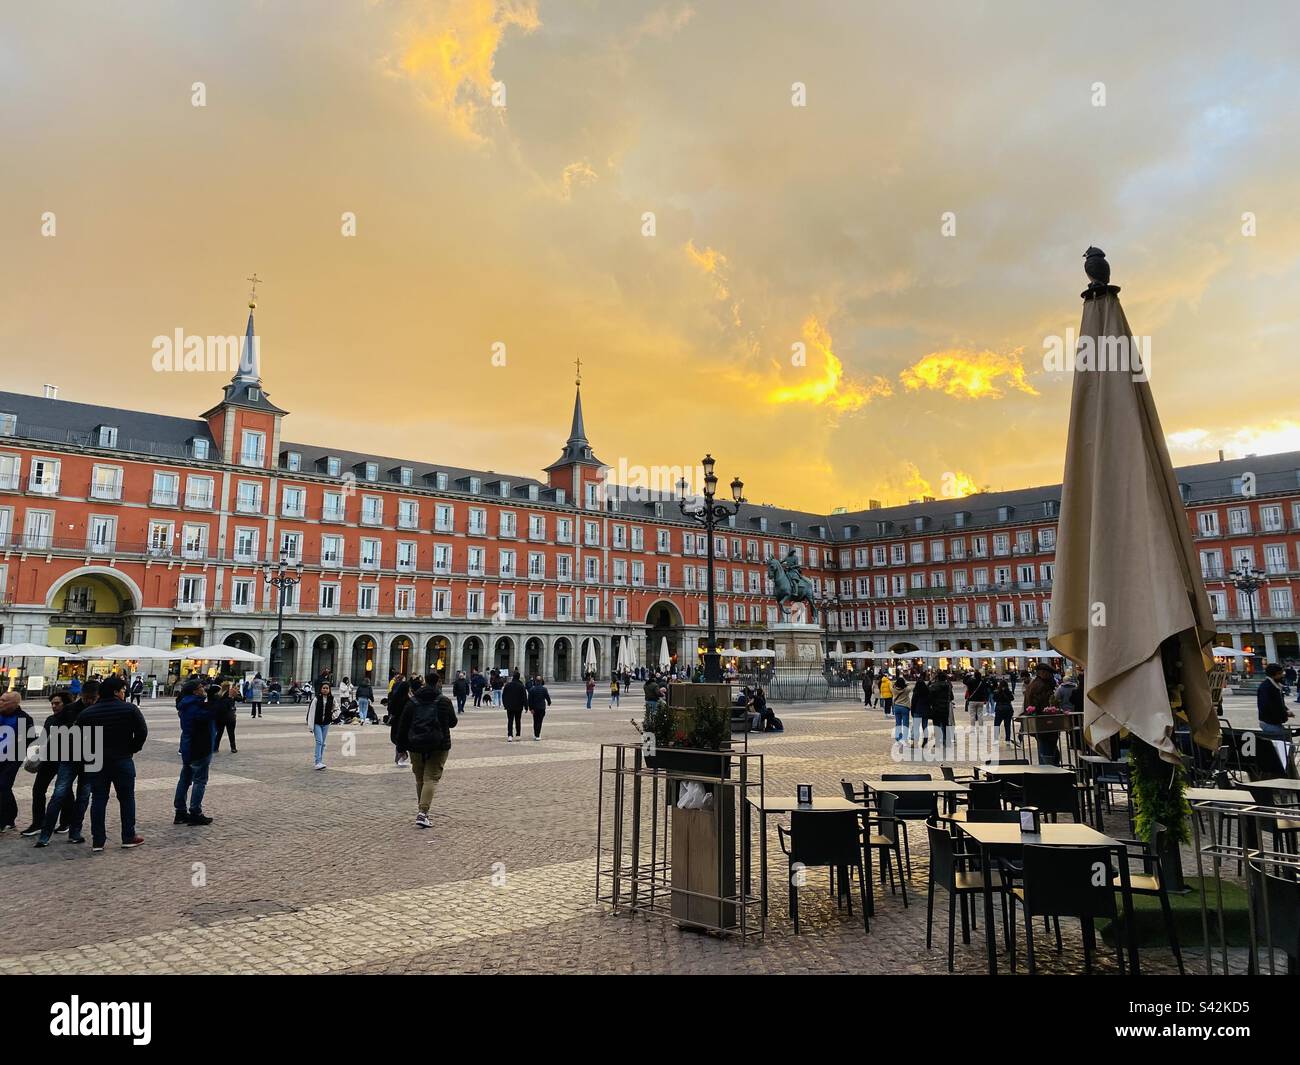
{"x": 538, "y": 700}
{"x": 1004, "y": 709}
{"x": 424, "y": 731}
{"x": 941, "y": 700}
{"x": 978, "y": 691}
{"x": 514, "y": 697}
{"x": 613, "y": 692}
{"x": 137, "y": 691}
{"x": 460, "y": 689}
{"x": 198, "y": 711}
{"x": 320, "y": 714}
{"x": 921, "y": 711}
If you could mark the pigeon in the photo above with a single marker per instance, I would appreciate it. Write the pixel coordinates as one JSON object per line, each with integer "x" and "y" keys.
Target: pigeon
{"x": 1096, "y": 266}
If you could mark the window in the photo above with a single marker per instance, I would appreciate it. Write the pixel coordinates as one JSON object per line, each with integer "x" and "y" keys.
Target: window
{"x": 536, "y": 527}
{"x": 897, "y": 554}
{"x": 333, "y": 508}
{"x": 241, "y": 595}
{"x": 918, "y": 551}
{"x": 1001, "y": 544}
{"x": 442, "y": 558}
{"x": 371, "y": 552}
{"x": 663, "y": 541}
{"x": 38, "y": 529}
{"x": 564, "y": 567}
{"x": 293, "y": 502}
{"x": 1270, "y": 519}
{"x": 406, "y": 556}
{"x": 191, "y": 592}
{"x": 475, "y": 485}
{"x": 536, "y": 606}
{"x": 370, "y": 471}
{"x": 506, "y": 563}
{"x": 620, "y": 571}
{"x": 638, "y": 538}
{"x": 473, "y": 604}
{"x": 333, "y": 466}
{"x": 591, "y": 533}
{"x": 368, "y": 599}
{"x": 102, "y": 533}
{"x": 663, "y": 575}
{"x": 1047, "y": 539}
{"x": 1275, "y": 558}
{"x": 440, "y": 481}
{"x": 404, "y": 602}
{"x": 476, "y": 563}
{"x": 166, "y": 489}
{"x": 1238, "y": 520}
{"x": 444, "y": 519}
{"x": 160, "y": 538}
{"x": 1212, "y": 564}
{"x": 331, "y": 551}
{"x": 563, "y": 607}
{"x": 248, "y": 498}
{"x": 194, "y": 541}
{"x": 590, "y": 569}
{"x": 505, "y": 605}
{"x": 252, "y": 448}
{"x": 958, "y": 547}
{"x": 980, "y": 546}
{"x": 293, "y": 461}
{"x": 477, "y": 522}
{"x": 536, "y": 565}
{"x": 1207, "y": 522}
{"x": 329, "y": 599}
{"x": 405, "y": 475}
{"x": 506, "y": 523}
{"x": 106, "y": 482}
{"x": 372, "y": 510}
{"x": 106, "y": 436}
{"x": 1279, "y": 602}
{"x": 199, "y": 448}
{"x": 245, "y": 545}
{"x": 199, "y": 492}
{"x": 408, "y": 514}
{"x": 592, "y": 607}
{"x": 441, "y": 603}
{"x": 8, "y": 424}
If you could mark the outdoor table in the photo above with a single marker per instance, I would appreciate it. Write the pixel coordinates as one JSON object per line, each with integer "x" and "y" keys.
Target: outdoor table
{"x": 1228, "y": 795}
{"x": 784, "y": 804}
{"x": 1279, "y": 784}
{"x": 946, "y": 788}
{"x": 1003, "y": 836}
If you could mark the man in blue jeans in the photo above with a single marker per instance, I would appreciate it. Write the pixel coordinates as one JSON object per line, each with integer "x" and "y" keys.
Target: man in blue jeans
{"x": 120, "y": 731}
{"x": 198, "y": 727}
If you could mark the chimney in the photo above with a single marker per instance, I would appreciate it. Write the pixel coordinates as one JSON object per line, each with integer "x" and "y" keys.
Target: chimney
{"x": 51, "y": 391}
{"x": 1220, "y": 454}
{"x": 873, "y": 504}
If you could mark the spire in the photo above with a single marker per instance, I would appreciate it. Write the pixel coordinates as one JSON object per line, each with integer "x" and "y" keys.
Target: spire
{"x": 250, "y": 368}
{"x": 577, "y": 449}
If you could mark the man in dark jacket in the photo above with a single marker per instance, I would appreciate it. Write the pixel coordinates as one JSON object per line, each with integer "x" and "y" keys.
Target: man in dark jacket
{"x": 514, "y": 697}
{"x": 1038, "y": 694}
{"x": 498, "y": 684}
{"x": 397, "y": 699}
{"x": 1271, "y": 704}
{"x": 65, "y": 753}
{"x": 120, "y": 732}
{"x": 16, "y": 732}
{"x": 460, "y": 689}
{"x": 424, "y": 731}
{"x": 477, "y": 682}
{"x": 538, "y": 700}
{"x": 198, "y": 735}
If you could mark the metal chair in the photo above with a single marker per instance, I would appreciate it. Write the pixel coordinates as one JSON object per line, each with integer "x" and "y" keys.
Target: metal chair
{"x": 912, "y": 806}
{"x": 816, "y": 840}
{"x": 984, "y": 795}
{"x": 883, "y": 831}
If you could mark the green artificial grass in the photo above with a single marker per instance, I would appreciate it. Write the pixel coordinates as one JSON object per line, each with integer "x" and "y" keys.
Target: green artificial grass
{"x": 1187, "y": 917}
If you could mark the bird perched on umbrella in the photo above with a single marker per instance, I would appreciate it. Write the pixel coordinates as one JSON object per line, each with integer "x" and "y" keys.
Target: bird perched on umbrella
{"x": 1098, "y": 271}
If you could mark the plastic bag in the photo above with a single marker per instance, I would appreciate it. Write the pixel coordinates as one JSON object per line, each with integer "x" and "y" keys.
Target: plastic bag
{"x": 693, "y": 795}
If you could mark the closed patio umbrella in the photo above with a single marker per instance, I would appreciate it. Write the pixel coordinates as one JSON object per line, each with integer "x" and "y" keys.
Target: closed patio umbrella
{"x": 1128, "y": 601}
{"x": 589, "y": 663}
{"x": 625, "y": 653}
{"x": 665, "y": 659}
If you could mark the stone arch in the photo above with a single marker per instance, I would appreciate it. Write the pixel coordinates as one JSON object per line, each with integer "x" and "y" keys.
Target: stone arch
{"x": 135, "y": 597}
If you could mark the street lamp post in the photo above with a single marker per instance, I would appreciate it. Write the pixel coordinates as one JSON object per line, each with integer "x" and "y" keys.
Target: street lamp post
{"x": 709, "y": 514}
{"x": 1248, "y": 579}
{"x": 280, "y": 579}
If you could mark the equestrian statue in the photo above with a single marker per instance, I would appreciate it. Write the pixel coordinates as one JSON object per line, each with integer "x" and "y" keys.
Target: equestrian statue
{"x": 789, "y": 585}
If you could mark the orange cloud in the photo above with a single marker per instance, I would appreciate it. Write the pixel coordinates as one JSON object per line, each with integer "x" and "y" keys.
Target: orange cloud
{"x": 827, "y": 384}
{"x": 576, "y": 174}
{"x": 450, "y": 55}
{"x": 970, "y": 374}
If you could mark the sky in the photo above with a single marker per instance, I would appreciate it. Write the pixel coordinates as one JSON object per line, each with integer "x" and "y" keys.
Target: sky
{"x": 828, "y": 243}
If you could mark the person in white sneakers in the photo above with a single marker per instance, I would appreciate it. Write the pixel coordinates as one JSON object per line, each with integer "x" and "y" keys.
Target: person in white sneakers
{"x": 424, "y": 732}
{"x": 320, "y": 713}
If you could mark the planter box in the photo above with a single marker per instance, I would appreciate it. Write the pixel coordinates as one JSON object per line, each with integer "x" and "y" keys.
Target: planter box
{"x": 1036, "y": 724}
{"x": 691, "y": 763}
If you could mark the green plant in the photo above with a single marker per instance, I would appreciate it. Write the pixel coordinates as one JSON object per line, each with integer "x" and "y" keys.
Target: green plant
{"x": 660, "y": 721}
{"x": 1158, "y": 793}
{"x": 711, "y": 725}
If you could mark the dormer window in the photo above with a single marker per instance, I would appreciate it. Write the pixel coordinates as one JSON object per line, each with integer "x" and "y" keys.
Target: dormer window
{"x": 559, "y": 495}
{"x": 292, "y": 460}
{"x": 440, "y": 480}
{"x": 1004, "y": 513}
{"x": 1049, "y": 507}
{"x": 370, "y": 471}
{"x": 8, "y": 424}
{"x": 106, "y": 435}
{"x": 254, "y": 395}
{"x": 405, "y": 475}
{"x": 476, "y": 485}
{"x": 333, "y": 466}
{"x": 505, "y": 488}
{"x": 533, "y": 492}
{"x": 199, "y": 447}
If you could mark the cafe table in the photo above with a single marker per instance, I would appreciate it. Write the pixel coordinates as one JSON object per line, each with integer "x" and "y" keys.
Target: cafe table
{"x": 785, "y": 804}
{"x": 1002, "y": 836}
{"x": 1278, "y": 784}
{"x": 946, "y": 788}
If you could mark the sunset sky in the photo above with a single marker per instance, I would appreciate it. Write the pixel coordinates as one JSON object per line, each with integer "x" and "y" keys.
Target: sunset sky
{"x": 774, "y": 225}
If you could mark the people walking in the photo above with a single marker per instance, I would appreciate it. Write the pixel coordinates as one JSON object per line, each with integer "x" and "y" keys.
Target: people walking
{"x": 398, "y": 695}
{"x": 137, "y": 691}
{"x": 1003, "y": 709}
{"x": 886, "y": 683}
{"x": 902, "y": 709}
{"x": 225, "y": 716}
{"x": 122, "y": 733}
{"x": 16, "y": 731}
{"x": 424, "y": 730}
{"x": 613, "y": 692}
{"x": 460, "y": 689}
{"x": 365, "y": 695}
{"x": 977, "y": 697}
{"x": 868, "y": 685}
{"x": 198, "y": 710}
{"x": 941, "y": 700}
{"x": 514, "y": 697}
{"x": 1271, "y": 705}
{"x": 256, "y": 693}
{"x": 498, "y": 683}
{"x": 320, "y": 712}
{"x": 477, "y": 682}
{"x": 538, "y": 700}
{"x": 591, "y": 688}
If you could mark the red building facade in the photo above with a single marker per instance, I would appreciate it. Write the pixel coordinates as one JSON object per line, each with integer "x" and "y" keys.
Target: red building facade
{"x": 120, "y": 526}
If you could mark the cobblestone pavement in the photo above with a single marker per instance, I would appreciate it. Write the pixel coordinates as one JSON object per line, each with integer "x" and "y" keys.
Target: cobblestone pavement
{"x": 306, "y": 871}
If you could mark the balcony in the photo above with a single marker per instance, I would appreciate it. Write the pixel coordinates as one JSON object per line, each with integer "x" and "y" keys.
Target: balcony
{"x": 106, "y": 490}
{"x": 335, "y": 514}
{"x": 245, "y": 505}
{"x": 8, "y": 482}
{"x": 198, "y": 500}
{"x": 48, "y": 486}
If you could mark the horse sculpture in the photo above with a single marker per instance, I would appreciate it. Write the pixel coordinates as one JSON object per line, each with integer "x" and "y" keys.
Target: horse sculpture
{"x": 790, "y": 589}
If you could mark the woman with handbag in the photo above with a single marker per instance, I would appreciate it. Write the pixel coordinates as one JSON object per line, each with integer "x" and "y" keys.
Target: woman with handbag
{"x": 320, "y": 713}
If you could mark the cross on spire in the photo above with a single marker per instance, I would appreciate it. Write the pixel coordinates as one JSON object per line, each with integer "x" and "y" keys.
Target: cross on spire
{"x": 252, "y": 295}
{"x": 578, "y": 375}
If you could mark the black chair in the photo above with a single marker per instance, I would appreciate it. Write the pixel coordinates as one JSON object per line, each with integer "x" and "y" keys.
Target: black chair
{"x": 912, "y": 806}
{"x": 1063, "y": 882}
{"x": 1284, "y": 830}
{"x": 995, "y": 817}
{"x": 862, "y": 798}
{"x": 817, "y": 840}
{"x": 1151, "y": 882}
{"x": 950, "y": 870}
{"x": 883, "y": 831}
{"x": 951, "y": 802}
{"x": 1053, "y": 794}
{"x": 984, "y": 795}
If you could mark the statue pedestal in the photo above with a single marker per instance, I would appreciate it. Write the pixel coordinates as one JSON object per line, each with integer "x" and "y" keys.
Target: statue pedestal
{"x": 796, "y": 644}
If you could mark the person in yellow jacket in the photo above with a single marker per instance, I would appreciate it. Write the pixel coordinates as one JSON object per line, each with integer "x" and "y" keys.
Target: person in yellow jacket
{"x": 887, "y": 694}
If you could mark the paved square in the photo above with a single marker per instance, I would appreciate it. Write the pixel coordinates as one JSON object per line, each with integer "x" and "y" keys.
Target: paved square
{"x": 317, "y": 872}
